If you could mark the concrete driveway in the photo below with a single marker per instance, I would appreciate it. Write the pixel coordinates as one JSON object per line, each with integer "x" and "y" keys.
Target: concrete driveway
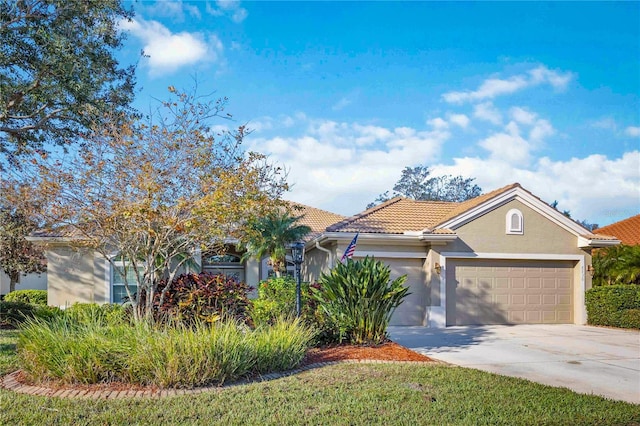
{"x": 589, "y": 360}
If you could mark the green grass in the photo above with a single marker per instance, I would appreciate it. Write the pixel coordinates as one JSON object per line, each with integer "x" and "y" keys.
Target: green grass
{"x": 342, "y": 394}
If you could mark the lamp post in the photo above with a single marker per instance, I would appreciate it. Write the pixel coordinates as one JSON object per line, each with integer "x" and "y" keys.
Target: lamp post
{"x": 297, "y": 253}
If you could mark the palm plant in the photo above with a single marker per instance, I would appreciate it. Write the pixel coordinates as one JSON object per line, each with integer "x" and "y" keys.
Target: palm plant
{"x": 271, "y": 234}
{"x": 617, "y": 265}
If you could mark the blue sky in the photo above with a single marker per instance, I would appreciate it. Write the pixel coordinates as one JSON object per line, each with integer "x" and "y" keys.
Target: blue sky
{"x": 347, "y": 94}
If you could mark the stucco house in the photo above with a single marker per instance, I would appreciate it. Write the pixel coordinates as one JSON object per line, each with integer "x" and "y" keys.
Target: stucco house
{"x": 626, "y": 230}
{"x": 501, "y": 258}
{"x": 505, "y": 257}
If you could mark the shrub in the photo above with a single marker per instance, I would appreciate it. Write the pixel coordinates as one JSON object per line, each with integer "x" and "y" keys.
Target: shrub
{"x": 614, "y": 305}
{"x": 359, "y": 299}
{"x": 15, "y": 313}
{"x": 205, "y": 297}
{"x": 277, "y": 299}
{"x": 35, "y": 297}
{"x": 169, "y": 355}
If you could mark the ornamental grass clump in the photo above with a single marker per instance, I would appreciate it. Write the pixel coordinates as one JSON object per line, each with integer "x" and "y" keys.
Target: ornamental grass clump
{"x": 173, "y": 354}
{"x": 359, "y": 298}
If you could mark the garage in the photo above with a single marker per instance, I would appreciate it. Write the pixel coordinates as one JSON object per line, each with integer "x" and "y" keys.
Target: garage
{"x": 413, "y": 308}
{"x": 509, "y": 292}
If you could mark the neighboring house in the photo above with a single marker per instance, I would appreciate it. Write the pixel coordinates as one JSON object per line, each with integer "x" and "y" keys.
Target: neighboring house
{"x": 27, "y": 282}
{"x": 505, "y": 257}
{"x": 81, "y": 275}
{"x": 627, "y": 230}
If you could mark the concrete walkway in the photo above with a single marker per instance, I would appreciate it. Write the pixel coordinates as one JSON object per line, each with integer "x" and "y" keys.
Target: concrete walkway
{"x": 591, "y": 360}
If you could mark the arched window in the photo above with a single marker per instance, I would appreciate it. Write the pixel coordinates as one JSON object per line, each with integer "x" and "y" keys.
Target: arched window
{"x": 514, "y": 222}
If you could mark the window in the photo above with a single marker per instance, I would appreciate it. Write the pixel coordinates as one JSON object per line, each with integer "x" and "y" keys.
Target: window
{"x": 228, "y": 264}
{"x": 514, "y": 222}
{"x": 118, "y": 290}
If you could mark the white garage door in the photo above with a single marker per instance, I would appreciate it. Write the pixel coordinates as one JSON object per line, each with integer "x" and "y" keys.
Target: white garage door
{"x": 509, "y": 292}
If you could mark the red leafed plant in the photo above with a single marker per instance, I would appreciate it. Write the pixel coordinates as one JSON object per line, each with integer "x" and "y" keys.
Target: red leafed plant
{"x": 205, "y": 297}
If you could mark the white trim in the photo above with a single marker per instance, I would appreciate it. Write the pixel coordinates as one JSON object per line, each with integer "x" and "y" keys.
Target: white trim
{"x": 391, "y": 254}
{"x": 509, "y": 229}
{"x": 437, "y": 315}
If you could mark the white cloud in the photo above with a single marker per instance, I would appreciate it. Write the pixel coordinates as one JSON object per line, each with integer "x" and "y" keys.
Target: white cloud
{"x": 459, "y": 120}
{"x": 168, "y": 51}
{"x": 343, "y": 166}
{"x": 229, "y": 8}
{"x": 494, "y": 87}
{"x": 541, "y": 130}
{"x": 594, "y": 188}
{"x": 341, "y": 104}
{"x": 438, "y": 123}
{"x": 487, "y": 112}
{"x": 523, "y": 116}
{"x": 508, "y": 146}
{"x": 606, "y": 123}
{"x": 632, "y": 131}
{"x": 173, "y": 9}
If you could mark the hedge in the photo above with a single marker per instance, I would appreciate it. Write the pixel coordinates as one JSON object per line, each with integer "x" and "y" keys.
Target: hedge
{"x": 615, "y": 306}
{"x": 35, "y": 297}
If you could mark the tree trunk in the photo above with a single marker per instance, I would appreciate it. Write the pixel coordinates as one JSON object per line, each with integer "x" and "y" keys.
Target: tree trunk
{"x": 14, "y": 278}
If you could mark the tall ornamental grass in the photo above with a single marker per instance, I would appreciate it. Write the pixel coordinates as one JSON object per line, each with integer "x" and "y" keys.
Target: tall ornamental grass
{"x": 173, "y": 355}
{"x": 359, "y": 299}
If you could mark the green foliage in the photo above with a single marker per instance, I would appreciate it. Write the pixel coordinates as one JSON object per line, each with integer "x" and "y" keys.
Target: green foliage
{"x": 14, "y": 314}
{"x": 271, "y": 234}
{"x": 17, "y": 255}
{"x": 204, "y": 297}
{"x": 614, "y": 305}
{"x": 616, "y": 265}
{"x": 58, "y": 71}
{"x": 35, "y": 297}
{"x": 171, "y": 355}
{"x": 359, "y": 298}
{"x": 418, "y": 184}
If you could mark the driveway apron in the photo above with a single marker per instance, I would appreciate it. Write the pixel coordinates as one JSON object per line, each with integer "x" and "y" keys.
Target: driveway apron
{"x": 590, "y": 360}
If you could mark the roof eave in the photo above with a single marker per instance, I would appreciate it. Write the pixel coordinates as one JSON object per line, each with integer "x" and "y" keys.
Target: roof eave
{"x": 596, "y": 243}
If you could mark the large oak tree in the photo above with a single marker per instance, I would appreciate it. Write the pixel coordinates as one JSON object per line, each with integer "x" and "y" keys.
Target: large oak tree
{"x": 58, "y": 72}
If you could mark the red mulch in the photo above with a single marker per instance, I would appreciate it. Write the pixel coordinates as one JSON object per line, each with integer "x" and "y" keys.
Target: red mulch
{"x": 389, "y": 351}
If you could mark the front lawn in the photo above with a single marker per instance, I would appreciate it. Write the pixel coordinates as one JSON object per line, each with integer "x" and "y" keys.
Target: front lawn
{"x": 341, "y": 394}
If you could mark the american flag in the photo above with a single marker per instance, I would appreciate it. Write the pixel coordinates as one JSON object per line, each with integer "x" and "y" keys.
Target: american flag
{"x": 348, "y": 253}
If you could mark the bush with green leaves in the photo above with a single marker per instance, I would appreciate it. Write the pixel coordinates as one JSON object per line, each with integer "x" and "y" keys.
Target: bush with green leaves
{"x": 35, "y": 297}
{"x": 14, "y": 314}
{"x": 359, "y": 298}
{"x": 614, "y": 305}
{"x": 277, "y": 299}
{"x": 166, "y": 355}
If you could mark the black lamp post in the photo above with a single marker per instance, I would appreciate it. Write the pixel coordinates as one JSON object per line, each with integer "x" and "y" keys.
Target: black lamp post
{"x": 297, "y": 253}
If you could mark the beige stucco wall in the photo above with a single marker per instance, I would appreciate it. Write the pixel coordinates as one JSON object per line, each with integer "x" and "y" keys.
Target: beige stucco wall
{"x": 540, "y": 234}
{"x": 315, "y": 263}
{"x": 28, "y": 282}
{"x": 74, "y": 275}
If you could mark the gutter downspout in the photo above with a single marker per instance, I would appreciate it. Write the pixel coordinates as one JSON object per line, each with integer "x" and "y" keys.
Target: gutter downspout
{"x": 319, "y": 247}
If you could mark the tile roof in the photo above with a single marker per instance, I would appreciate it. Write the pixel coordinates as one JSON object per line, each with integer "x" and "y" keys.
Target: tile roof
{"x": 396, "y": 216}
{"x": 316, "y": 219}
{"x": 627, "y": 230}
